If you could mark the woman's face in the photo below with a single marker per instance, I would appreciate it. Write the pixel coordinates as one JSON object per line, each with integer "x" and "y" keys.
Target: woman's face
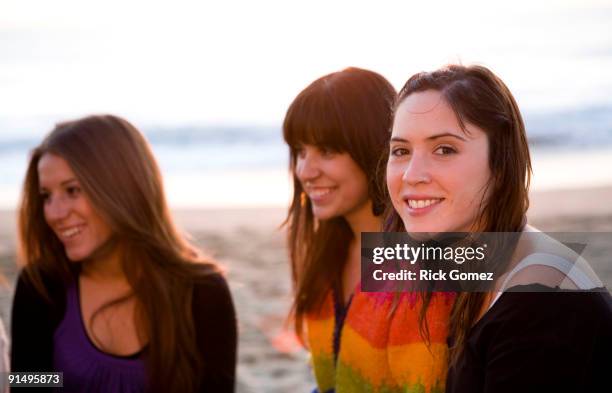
{"x": 437, "y": 174}
{"x": 334, "y": 183}
{"x": 67, "y": 210}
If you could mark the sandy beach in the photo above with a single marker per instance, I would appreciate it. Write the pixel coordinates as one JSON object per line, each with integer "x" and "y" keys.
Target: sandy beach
{"x": 251, "y": 247}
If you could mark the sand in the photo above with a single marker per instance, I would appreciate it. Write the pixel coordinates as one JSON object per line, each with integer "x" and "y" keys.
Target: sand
{"x": 251, "y": 247}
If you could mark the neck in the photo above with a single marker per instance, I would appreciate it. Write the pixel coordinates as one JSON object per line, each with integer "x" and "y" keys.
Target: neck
{"x": 105, "y": 267}
{"x": 362, "y": 220}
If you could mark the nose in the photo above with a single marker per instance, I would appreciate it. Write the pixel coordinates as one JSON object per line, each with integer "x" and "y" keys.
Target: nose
{"x": 417, "y": 170}
{"x": 307, "y": 166}
{"x": 56, "y": 209}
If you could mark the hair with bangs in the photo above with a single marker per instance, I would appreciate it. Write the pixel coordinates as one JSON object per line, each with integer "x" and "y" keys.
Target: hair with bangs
{"x": 479, "y": 97}
{"x": 347, "y": 111}
{"x": 118, "y": 173}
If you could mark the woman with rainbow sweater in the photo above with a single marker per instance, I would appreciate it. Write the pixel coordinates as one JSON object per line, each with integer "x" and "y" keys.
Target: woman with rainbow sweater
{"x": 337, "y": 130}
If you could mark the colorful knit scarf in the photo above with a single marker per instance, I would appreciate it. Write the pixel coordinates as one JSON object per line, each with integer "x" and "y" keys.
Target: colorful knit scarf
{"x": 381, "y": 350}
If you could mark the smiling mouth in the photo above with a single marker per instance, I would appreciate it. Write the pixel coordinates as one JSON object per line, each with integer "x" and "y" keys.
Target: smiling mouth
{"x": 422, "y": 203}
{"x": 70, "y": 233}
{"x": 319, "y": 192}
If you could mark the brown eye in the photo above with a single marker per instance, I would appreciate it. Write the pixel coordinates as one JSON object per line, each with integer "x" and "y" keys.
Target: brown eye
{"x": 326, "y": 152}
{"x": 299, "y": 151}
{"x": 73, "y": 191}
{"x": 399, "y": 151}
{"x": 445, "y": 150}
{"x": 44, "y": 196}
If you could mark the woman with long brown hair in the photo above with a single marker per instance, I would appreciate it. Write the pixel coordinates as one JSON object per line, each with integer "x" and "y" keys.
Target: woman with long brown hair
{"x": 111, "y": 293}
{"x": 337, "y": 130}
{"x": 459, "y": 162}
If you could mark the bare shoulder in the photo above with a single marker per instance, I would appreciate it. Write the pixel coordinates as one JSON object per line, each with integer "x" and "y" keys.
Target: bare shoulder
{"x": 542, "y": 259}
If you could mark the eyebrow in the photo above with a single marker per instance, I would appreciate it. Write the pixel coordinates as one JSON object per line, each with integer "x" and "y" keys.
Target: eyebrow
{"x": 432, "y": 137}
{"x": 72, "y": 179}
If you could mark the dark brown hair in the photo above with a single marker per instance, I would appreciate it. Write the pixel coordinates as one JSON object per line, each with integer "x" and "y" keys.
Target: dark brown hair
{"x": 479, "y": 97}
{"x": 115, "y": 166}
{"x": 347, "y": 111}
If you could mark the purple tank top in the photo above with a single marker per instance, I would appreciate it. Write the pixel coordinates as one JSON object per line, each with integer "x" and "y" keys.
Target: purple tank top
{"x": 85, "y": 367}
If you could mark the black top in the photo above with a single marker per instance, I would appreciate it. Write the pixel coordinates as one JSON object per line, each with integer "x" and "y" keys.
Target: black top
{"x": 538, "y": 342}
{"x": 35, "y": 320}
{"x": 340, "y": 313}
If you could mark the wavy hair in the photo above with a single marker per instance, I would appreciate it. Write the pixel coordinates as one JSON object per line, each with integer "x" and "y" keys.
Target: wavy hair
{"x": 479, "y": 97}
{"x": 347, "y": 111}
{"x": 118, "y": 173}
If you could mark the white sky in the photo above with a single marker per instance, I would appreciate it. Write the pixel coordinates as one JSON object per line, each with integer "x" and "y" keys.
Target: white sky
{"x": 242, "y": 62}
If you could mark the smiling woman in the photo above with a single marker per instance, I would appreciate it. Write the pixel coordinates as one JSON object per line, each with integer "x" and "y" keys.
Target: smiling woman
{"x": 67, "y": 211}
{"x": 459, "y": 162}
{"x": 431, "y": 157}
{"x": 111, "y": 294}
{"x": 336, "y": 129}
{"x": 333, "y": 182}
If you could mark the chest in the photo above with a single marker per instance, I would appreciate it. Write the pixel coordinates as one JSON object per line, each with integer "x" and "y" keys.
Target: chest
{"x": 109, "y": 318}
{"x": 86, "y": 365}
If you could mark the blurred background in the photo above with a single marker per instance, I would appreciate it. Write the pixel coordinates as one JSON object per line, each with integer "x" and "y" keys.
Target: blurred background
{"x": 209, "y": 83}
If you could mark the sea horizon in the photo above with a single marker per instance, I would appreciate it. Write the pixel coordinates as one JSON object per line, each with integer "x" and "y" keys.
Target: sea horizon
{"x": 211, "y": 166}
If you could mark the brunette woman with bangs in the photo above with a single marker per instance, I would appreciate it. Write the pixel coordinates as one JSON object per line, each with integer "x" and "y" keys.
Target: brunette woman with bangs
{"x": 337, "y": 130}
{"x": 111, "y": 294}
{"x": 458, "y": 141}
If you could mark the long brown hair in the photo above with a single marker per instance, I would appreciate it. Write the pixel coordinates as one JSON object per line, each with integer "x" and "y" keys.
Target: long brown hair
{"x": 117, "y": 170}
{"x": 346, "y": 111}
{"x": 479, "y": 97}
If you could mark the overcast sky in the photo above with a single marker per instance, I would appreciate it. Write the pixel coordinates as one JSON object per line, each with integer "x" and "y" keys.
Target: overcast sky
{"x": 242, "y": 62}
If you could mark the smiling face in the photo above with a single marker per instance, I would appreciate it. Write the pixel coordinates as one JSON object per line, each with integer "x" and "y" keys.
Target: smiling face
{"x": 437, "y": 174}
{"x": 67, "y": 210}
{"x": 334, "y": 183}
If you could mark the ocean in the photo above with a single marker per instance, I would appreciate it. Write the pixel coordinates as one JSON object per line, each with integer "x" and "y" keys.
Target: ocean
{"x": 231, "y": 166}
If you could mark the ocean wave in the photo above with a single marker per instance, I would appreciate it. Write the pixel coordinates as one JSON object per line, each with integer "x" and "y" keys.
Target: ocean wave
{"x": 590, "y": 126}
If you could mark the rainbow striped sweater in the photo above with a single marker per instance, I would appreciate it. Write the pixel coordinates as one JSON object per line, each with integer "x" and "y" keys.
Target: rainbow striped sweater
{"x": 379, "y": 350}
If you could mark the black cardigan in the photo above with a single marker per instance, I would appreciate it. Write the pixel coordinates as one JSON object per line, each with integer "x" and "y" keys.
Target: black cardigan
{"x": 538, "y": 342}
{"x": 34, "y": 321}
